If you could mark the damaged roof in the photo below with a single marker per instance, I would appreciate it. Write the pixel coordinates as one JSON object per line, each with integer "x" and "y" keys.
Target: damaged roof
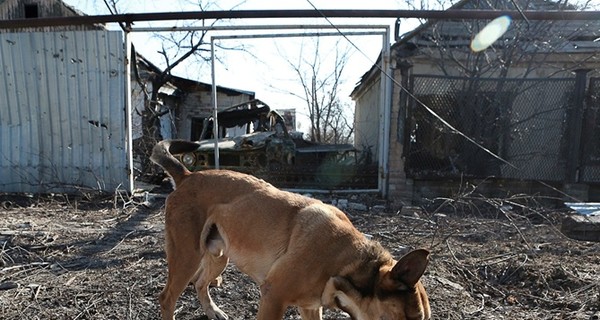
{"x": 187, "y": 85}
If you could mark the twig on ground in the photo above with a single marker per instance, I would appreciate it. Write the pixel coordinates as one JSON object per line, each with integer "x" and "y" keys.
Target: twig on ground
{"x": 481, "y": 307}
{"x": 26, "y": 266}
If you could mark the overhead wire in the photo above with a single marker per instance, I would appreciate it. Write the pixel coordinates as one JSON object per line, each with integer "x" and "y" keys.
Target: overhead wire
{"x": 410, "y": 94}
{"x": 427, "y": 108}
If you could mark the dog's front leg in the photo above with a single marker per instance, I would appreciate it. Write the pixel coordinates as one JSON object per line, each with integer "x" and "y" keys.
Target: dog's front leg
{"x": 271, "y": 306}
{"x": 270, "y": 310}
{"x": 311, "y": 314}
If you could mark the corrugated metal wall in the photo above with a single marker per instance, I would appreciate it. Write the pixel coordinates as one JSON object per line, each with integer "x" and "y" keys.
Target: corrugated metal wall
{"x": 62, "y": 117}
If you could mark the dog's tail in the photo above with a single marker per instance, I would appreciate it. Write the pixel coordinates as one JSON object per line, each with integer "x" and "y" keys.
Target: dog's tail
{"x": 162, "y": 155}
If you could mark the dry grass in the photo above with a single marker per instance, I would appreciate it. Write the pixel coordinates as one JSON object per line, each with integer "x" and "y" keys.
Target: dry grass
{"x": 102, "y": 258}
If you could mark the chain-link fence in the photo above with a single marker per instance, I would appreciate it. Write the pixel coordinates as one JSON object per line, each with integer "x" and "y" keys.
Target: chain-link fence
{"x": 590, "y": 171}
{"x": 517, "y": 128}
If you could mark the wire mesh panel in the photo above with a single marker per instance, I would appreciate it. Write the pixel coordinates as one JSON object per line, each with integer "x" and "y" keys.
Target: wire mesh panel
{"x": 515, "y": 127}
{"x": 590, "y": 169}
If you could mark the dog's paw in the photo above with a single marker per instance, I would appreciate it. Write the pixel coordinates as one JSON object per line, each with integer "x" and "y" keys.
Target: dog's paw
{"x": 216, "y": 314}
{"x": 217, "y": 282}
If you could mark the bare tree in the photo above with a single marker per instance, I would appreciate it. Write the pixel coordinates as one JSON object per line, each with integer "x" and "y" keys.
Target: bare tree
{"x": 480, "y": 104}
{"x": 176, "y": 48}
{"x": 320, "y": 82}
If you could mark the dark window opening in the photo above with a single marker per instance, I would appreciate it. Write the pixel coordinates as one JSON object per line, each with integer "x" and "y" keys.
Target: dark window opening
{"x": 197, "y": 128}
{"x": 31, "y": 11}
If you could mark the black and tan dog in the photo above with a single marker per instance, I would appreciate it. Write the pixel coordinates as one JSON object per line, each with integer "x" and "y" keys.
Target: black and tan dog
{"x": 300, "y": 251}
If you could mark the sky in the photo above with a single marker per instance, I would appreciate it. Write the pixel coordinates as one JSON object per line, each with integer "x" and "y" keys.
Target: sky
{"x": 264, "y": 66}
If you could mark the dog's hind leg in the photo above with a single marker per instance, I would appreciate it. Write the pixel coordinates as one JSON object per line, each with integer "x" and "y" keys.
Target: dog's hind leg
{"x": 311, "y": 314}
{"x": 210, "y": 268}
{"x": 182, "y": 266}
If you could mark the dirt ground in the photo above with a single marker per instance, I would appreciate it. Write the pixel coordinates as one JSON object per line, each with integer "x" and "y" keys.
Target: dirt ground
{"x": 102, "y": 258}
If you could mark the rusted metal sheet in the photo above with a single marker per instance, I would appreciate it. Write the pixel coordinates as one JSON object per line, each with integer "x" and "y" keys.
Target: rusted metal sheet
{"x": 62, "y": 118}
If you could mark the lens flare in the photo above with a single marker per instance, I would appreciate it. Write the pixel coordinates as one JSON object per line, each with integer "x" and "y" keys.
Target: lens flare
{"x": 490, "y": 33}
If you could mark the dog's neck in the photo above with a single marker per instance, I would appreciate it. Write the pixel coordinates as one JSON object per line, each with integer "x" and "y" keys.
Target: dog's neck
{"x": 364, "y": 273}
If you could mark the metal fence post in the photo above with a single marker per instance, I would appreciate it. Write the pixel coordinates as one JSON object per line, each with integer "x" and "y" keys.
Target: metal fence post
{"x": 575, "y": 126}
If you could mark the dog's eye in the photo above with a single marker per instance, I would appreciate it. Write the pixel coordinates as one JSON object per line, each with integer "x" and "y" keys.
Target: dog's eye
{"x": 188, "y": 159}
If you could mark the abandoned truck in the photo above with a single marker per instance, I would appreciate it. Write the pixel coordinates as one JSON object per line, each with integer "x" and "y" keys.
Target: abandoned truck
{"x": 257, "y": 141}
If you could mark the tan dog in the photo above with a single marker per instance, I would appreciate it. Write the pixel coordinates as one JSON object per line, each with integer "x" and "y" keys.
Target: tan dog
{"x": 300, "y": 251}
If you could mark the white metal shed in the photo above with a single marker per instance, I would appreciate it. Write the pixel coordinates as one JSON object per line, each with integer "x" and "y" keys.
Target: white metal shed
{"x": 62, "y": 112}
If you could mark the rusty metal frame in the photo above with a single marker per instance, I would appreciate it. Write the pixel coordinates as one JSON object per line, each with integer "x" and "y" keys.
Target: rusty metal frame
{"x": 380, "y": 30}
{"x": 310, "y": 13}
{"x": 385, "y": 87}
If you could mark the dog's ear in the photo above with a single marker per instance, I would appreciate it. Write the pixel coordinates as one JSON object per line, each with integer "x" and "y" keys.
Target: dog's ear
{"x": 407, "y": 271}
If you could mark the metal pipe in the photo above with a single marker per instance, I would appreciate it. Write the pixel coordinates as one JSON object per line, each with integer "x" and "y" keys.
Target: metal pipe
{"x": 309, "y": 13}
{"x": 291, "y": 35}
{"x": 257, "y": 27}
{"x": 128, "y": 114}
{"x": 214, "y": 100}
{"x": 386, "y": 84}
{"x": 251, "y": 36}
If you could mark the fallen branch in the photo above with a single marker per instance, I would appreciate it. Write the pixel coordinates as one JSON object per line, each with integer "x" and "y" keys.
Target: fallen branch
{"x": 25, "y": 266}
